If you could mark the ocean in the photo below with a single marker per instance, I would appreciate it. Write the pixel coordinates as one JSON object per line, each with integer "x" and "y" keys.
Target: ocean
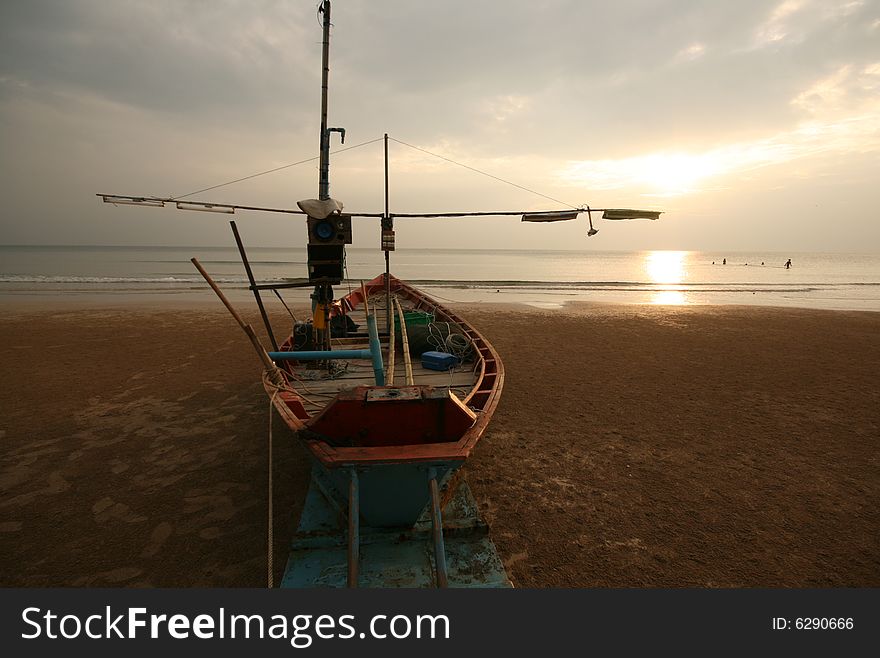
{"x": 540, "y": 278}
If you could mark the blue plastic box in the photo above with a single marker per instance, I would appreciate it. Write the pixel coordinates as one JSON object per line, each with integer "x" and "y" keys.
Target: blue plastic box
{"x": 438, "y": 361}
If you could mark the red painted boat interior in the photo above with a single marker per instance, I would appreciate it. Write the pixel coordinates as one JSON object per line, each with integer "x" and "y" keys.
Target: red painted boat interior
{"x": 369, "y": 416}
{"x": 365, "y": 425}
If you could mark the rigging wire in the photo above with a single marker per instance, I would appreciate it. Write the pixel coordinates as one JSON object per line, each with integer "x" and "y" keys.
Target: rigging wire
{"x": 271, "y": 171}
{"x": 474, "y": 169}
{"x": 281, "y": 299}
{"x": 373, "y": 141}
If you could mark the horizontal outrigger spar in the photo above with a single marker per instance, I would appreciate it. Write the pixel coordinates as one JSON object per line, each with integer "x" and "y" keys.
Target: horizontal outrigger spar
{"x": 527, "y": 216}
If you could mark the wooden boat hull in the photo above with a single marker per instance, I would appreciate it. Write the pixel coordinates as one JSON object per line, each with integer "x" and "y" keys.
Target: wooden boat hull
{"x": 394, "y": 437}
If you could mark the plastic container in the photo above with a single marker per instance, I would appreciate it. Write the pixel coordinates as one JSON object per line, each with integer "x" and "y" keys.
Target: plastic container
{"x": 414, "y": 317}
{"x": 439, "y": 361}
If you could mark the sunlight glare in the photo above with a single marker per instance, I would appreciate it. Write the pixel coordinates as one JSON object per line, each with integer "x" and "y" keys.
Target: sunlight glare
{"x": 665, "y": 269}
{"x": 668, "y": 298}
{"x": 665, "y": 266}
{"x": 676, "y": 173}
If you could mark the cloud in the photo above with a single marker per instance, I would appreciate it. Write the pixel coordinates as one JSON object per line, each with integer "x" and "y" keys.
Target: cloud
{"x": 792, "y": 21}
{"x": 572, "y": 98}
{"x": 842, "y": 115}
{"x": 778, "y": 26}
{"x": 690, "y": 53}
{"x": 211, "y": 59}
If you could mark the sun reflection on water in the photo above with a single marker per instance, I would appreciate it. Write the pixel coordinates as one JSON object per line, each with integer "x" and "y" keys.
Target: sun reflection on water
{"x": 666, "y": 269}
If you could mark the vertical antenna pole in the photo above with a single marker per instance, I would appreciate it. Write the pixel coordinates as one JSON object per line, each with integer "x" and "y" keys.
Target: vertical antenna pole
{"x": 385, "y": 220}
{"x": 324, "y": 290}
{"x": 324, "y": 165}
{"x": 386, "y": 174}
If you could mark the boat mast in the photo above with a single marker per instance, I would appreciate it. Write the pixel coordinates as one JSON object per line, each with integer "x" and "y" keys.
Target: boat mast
{"x": 324, "y": 166}
{"x": 323, "y": 295}
{"x": 386, "y": 228}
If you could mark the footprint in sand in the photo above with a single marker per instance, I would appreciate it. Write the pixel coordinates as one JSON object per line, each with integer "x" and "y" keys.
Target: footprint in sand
{"x": 113, "y": 576}
{"x": 516, "y": 557}
{"x": 121, "y": 574}
{"x": 117, "y": 466}
{"x": 57, "y": 484}
{"x": 106, "y": 509}
{"x": 160, "y": 535}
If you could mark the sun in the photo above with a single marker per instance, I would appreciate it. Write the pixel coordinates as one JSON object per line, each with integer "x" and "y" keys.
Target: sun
{"x": 658, "y": 174}
{"x": 671, "y": 174}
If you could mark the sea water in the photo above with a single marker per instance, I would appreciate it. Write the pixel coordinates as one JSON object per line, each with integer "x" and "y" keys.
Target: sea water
{"x": 543, "y": 278}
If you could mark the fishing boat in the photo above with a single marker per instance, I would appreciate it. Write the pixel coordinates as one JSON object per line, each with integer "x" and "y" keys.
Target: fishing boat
{"x": 410, "y": 417}
{"x": 390, "y": 391}
{"x": 387, "y": 435}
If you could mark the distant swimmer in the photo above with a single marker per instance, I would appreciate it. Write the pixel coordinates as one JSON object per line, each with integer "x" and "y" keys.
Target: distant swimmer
{"x": 724, "y": 262}
{"x": 788, "y": 264}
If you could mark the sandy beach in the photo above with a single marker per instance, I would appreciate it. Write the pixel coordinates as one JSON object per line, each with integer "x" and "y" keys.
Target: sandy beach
{"x": 634, "y": 446}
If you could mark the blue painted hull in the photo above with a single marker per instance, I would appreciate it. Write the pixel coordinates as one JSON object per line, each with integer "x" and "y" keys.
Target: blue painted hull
{"x": 391, "y": 495}
{"x": 392, "y": 557}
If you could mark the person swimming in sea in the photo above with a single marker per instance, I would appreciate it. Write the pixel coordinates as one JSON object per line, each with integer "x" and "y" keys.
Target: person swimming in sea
{"x": 788, "y": 264}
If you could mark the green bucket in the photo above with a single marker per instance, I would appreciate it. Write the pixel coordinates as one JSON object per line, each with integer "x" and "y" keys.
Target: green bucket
{"x": 414, "y": 318}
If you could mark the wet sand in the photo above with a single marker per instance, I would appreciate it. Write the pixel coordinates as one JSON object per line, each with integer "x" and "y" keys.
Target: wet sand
{"x": 633, "y": 447}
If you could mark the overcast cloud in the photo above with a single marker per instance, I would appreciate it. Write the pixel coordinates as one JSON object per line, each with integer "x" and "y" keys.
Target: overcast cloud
{"x": 754, "y": 125}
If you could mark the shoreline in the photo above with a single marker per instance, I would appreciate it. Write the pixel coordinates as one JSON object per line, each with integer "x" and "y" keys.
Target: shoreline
{"x": 839, "y": 281}
{"x": 634, "y": 446}
{"x": 556, "y": 300}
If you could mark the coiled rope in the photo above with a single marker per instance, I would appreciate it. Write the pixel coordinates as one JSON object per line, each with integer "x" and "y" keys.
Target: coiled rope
{"x": 453, "y": 343}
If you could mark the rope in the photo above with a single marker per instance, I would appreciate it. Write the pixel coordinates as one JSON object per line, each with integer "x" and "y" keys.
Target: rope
{"x": 281, "y": 299}
{"x": 453, "y": 343}
{"x": 285, "y": 386}
{"x": 272, "y": 171}
{"x": 270, "y": 540}
{"x": 474, "y": 169}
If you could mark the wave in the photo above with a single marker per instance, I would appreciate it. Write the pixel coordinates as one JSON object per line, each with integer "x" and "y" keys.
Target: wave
{"x": 453, "y": 283}
{"x": 39, "y": 278}
{"x": 705, "y": 286}
{"x": 177, "y": 281}
{"x": 231, "y": 262}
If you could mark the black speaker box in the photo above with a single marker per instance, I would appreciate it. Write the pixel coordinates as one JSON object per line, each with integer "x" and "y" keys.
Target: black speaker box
{"x": 326, "y": 262}
{"x": 335, "y": 229}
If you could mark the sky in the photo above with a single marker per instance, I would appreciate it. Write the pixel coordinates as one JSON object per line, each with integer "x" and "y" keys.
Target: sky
{"x": 753, "y": 125}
